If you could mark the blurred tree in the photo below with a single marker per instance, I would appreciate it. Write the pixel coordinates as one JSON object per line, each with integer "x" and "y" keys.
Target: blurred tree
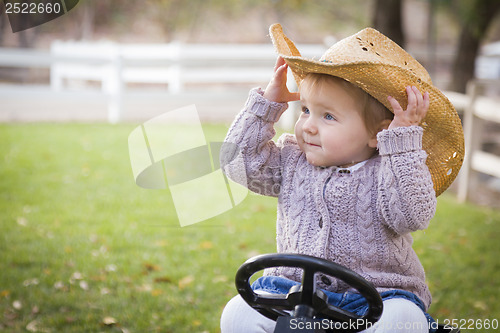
{"x": 387, "y": 19}
{"x": 176, "y": 15}
{"x": 475, "y": 17}
{"x": 3, "y": 22}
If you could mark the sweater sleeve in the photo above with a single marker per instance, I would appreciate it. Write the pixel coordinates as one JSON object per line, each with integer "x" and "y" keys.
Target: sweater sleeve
{"x": 406, "y": 194}
{"x": 250, "y": 157}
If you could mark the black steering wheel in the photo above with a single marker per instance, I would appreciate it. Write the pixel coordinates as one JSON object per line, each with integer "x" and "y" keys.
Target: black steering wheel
{"x": 304, "y": 299}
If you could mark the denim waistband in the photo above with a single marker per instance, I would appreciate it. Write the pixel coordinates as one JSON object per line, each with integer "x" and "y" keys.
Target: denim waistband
{"x": 349, "y": 301}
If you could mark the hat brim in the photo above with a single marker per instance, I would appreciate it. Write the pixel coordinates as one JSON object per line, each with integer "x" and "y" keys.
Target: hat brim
{"x": 443, "y": 138}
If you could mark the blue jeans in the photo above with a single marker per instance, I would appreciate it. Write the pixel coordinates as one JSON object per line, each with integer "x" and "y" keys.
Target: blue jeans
{"x": 349, "y": 301}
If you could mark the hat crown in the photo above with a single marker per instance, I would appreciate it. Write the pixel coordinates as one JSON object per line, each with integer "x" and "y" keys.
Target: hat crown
{"x": 371, "y": 46}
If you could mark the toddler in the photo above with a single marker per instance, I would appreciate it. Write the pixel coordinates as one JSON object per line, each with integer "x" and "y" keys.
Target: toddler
{"x": 353, "y": 182}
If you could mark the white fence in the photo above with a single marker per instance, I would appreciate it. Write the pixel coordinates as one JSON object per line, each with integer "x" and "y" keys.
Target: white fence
{"x": 179, "y": 67}
{"x": 478, "y": 110}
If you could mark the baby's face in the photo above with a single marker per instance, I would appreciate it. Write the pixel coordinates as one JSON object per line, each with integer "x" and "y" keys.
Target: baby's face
{"x": 330, "y": 130}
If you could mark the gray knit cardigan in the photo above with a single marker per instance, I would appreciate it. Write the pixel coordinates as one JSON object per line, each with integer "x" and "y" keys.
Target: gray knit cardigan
{"x": 358, "y": 217}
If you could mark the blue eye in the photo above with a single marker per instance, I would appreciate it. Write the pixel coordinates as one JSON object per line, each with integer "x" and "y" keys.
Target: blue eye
{"x": 305, "y": 110}
{"x": 329, "y": 117}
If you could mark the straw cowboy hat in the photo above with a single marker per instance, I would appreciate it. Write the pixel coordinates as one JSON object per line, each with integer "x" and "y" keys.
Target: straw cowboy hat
{"x": 381, "y": 68}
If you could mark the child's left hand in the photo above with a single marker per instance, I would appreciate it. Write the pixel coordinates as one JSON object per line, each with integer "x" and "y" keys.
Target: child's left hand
{"x": 418, "y": 105}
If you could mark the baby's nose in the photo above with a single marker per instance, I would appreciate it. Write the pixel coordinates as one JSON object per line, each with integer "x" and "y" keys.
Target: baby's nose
{"x": 310, "y": 126}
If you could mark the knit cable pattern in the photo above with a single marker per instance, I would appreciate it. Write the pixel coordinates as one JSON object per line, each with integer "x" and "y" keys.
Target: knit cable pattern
{"x": 360, "y": 219}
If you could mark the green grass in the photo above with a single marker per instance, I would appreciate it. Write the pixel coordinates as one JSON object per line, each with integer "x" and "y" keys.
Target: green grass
{"x": 83, "y": 249}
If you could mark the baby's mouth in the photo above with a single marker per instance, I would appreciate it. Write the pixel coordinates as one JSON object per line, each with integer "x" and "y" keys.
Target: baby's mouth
{"x": 312, "y": 144}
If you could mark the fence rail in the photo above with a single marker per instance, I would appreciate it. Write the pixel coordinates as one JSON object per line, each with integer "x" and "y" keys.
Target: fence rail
{"x": 177, "y": 66}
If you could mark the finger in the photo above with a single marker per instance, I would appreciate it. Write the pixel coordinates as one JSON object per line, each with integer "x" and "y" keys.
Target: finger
{"x": 281, "y": 72}
{"x": 396, "y": 108}
{"x": 420, "y": 99}
{"x": 279, "y": 62}
{"x": 427, "y": 102}
{"x": 412, "y": 99}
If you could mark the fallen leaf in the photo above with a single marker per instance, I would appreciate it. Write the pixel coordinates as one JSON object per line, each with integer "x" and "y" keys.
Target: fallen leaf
{"x": 111, "y": 268}
{"x": 103, "y": 249}
{"x": 220, "y": 278}
{"x": 148, "y": 267}
{"x": 206, "y": 245}
{"x": 156, "y": 292}
{"x": 252, "y": 253}
{"x": 32, "y": 326}
{"x": 145, "y": 288}
{"x": 480, "y": 305}
{"x": 84, "y": 285}
{"x": 22, "y": 221}
{"x": 75, "y": 277}
{"x": 109, "y": 321}
{"x": 10, "y": 315}
{"x": 98, "y": 277}
{"x": 93, "y": 238}
{"x": 161, "y": 243}
{"x": 59, "y": 285}
{"x": 185, "y": 281}
{"x": 17, "y": 305}
{"x": 163, "y": 279}
{"x": 105, "y": 291}
{"x": 30, "y": 282}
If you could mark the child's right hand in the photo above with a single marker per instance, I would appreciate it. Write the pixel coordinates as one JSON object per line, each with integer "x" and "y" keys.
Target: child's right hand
{"x": 276, "y": 90}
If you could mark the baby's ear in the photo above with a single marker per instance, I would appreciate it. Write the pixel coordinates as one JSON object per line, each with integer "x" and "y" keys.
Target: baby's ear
{"x": 384, "y": 124}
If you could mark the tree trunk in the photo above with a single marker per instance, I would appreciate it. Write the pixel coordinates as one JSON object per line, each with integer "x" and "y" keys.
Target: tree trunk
{"x": 387, "y": 19}
{"x": 87, "y": 25}
{"x": 3, "y": 24}
{"x": 473, "y": 31}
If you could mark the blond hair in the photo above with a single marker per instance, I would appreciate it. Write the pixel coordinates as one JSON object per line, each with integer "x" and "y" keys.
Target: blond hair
{"x": 371, "y": 110}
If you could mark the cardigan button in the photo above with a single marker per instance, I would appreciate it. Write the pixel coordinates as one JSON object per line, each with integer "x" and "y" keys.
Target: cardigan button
{"x": 321, "y": 222}
{"x": 326, "y": 280}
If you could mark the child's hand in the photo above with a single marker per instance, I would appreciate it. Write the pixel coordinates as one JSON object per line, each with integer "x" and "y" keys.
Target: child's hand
{"x": 276, "y": 90}
{"x": 414, "y": 113}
